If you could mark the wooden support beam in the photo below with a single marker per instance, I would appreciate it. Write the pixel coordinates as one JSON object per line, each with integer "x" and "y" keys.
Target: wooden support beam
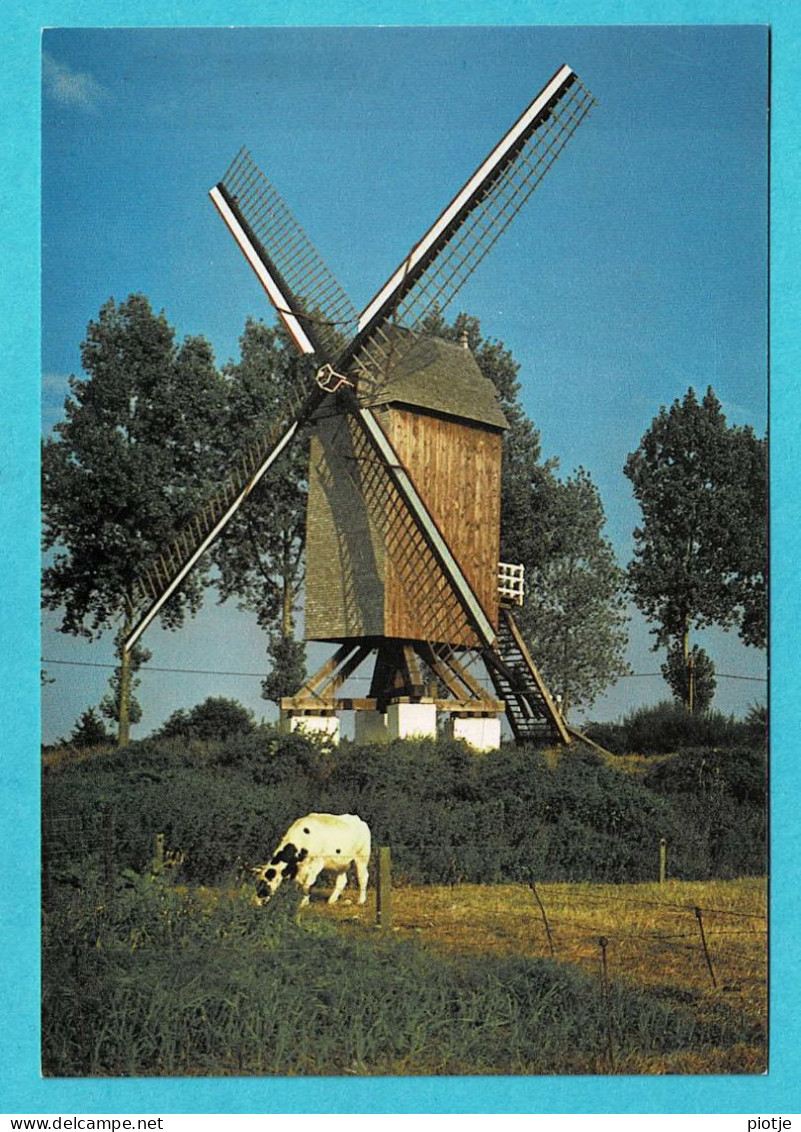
{"x": 472, "y": 707}
{"x": 329, "y": 668}
{"x": 348, "y": 668}
{"x": 414, "y": 676}
{"x": 317, "y": 705}
{"x": 461, "y": 673}
{"x": 330, "y": 703}
{"x": 444, "y": 674}
{"x": 383, "y": 672}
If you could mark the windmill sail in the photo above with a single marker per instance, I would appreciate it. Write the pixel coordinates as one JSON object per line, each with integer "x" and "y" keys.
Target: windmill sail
{"x": 313, "y": 306}
{"x": 441, "y": 262}
{"x": 161, "y": 578}
{"x": 255, "y": 215}
{"x": 363, "y": 351}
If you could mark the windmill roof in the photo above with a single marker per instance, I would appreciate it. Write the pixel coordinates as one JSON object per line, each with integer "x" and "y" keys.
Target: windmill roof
{"x": 443, "y": 377}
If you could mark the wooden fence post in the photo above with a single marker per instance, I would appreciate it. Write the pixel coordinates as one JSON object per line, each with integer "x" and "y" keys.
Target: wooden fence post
{"x": 536, "y": 895}
{"x": 610, "y": 1049}
{"x": 383, "y": 904}
{"x": 662, "y": 859}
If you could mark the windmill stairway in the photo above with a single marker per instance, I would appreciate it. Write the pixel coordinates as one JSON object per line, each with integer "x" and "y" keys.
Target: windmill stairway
{"x": 531, "y": 712}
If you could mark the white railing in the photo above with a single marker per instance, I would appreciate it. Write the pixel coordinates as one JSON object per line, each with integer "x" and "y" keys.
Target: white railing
{"x": 511, "y": 582}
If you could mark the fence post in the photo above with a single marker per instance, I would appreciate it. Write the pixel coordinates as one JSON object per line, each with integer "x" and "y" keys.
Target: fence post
{"x": 662, "y": 859}
{"x": 610, "y": 1053}
{"x": 108, "y": 850}
{"x": 706, "y": 949}
{"x": 533, "y": 888}
{"x": 383, "y": 903}
{"x": 158, "y": 854}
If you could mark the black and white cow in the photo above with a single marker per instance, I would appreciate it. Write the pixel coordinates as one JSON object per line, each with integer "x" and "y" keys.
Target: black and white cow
{"x": 314, "y": 843}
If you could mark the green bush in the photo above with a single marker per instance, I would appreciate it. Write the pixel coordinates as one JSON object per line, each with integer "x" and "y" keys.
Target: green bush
{"x": 219, "y": 819}
{"x": 740, "y": 772}
{"x": 723, "y": 795}
{"x": 215, "y": 718}
{"x": 448, "y": 814}
{"x": 89, "y": 731}
{"x": 667, "y": 727}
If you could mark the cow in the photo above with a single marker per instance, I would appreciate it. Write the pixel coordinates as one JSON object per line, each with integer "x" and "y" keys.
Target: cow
{"x": 314, "y": 843}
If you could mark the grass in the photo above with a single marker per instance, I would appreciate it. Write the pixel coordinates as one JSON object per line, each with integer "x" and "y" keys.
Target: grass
{"x": 653, "y": 942}
{"x": 168, "y": 980}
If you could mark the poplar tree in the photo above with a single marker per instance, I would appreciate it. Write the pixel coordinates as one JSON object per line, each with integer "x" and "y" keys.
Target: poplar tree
{"x": 126, "y": 469}
{"x": 700, "y": 552}
{"x": 261, "y": 557}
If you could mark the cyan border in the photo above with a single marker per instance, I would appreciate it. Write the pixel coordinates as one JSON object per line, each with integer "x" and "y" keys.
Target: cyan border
{"x": 23, "y": 1090}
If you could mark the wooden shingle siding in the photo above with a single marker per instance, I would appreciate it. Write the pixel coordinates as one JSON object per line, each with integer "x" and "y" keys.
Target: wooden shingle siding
{"x": 345, "y": 558}
{"x": 442, "y": 377}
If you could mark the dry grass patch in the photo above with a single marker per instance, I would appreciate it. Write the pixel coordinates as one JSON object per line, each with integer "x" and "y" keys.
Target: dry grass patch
{"x": 652, "y": 932}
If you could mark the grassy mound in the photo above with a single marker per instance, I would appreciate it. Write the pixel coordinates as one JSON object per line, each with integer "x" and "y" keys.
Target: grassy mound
{"x": 448, "y": 814}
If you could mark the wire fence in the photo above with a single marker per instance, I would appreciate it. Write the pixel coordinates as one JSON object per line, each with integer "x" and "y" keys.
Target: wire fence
{"x": 560, "y": 919}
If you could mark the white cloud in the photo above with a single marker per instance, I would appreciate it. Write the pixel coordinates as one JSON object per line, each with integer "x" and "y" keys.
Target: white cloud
{"x": 70, "y": 88}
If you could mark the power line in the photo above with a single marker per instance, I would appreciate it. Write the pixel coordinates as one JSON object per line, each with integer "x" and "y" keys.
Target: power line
{"x": 728, "y": 676}
{"x": 261, "y": 675}
{"x": 155, "y": 668}
{"x": 722, "y": 675}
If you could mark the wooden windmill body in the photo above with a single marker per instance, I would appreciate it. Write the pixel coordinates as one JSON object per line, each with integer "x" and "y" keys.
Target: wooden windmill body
{"x": 403, "y": 524}
{"x": 443, "y": 419}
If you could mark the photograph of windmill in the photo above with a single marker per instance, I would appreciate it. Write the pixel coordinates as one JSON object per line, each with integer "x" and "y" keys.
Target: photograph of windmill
{"x": 404, "y": 637}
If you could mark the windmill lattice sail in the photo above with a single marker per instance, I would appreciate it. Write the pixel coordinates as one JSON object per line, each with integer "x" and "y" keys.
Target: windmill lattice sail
{"x": 161, "y": 578}
{"x": 285, "y": 261}
{"x": 442, "y": 261}
{"x": 357, "y": 357}
{"x": 318, "y": 324}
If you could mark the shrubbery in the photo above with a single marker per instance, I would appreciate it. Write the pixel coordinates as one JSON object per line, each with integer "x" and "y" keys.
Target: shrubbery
{"x": 448, "y": 814}
{"x": 667, "y": 727}
{"x": 723, "y": 795}
{"x": 215, "y": 718}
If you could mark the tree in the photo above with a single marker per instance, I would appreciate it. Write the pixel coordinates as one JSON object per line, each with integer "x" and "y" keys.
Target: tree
{"x": 699, "y": 554}
{"x": 261, "y": 558}
{"x": 691, "y": 679}
{"x": 215, "y": 718}
{"x": 89, "y": 731}
{"x": 128, "y": 467}
{"x": 750, "y": 544}
{"x": 573, "y": 614}
{"x": 288, "y": 667}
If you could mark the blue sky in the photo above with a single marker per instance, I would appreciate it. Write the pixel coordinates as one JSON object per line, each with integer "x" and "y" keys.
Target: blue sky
{"x": 639, "y": 268}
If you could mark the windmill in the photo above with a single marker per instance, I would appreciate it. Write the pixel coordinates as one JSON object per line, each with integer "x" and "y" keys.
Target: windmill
{"x": 404, "y": 482}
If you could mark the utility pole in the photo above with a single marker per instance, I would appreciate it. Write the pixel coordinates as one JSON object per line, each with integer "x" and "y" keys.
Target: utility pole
{"x": 123, "y": 723}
